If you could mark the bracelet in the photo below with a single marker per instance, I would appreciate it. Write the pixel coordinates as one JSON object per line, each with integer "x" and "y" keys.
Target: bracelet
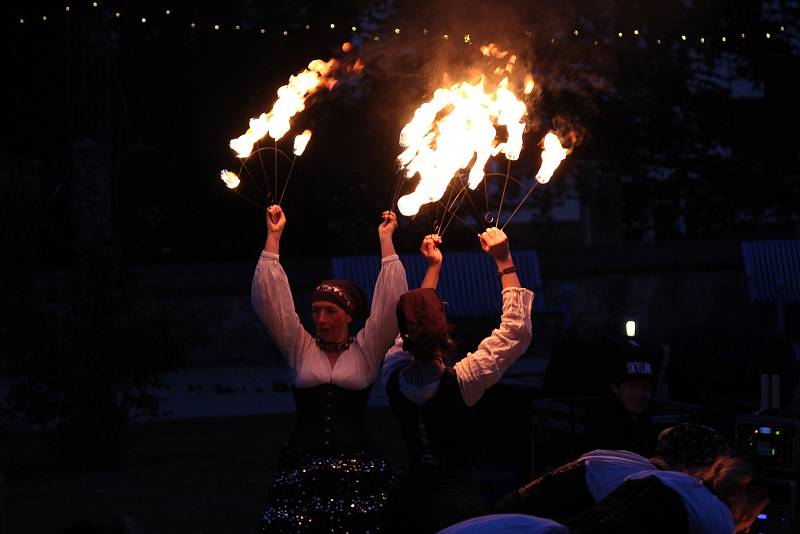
{"x": 507, "y": 270}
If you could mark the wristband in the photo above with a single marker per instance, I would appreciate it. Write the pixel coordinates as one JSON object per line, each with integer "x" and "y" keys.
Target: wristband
{"x": 507, "y": 270}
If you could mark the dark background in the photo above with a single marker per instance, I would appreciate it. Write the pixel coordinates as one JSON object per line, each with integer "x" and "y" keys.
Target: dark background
{"x": 123, "y": 257}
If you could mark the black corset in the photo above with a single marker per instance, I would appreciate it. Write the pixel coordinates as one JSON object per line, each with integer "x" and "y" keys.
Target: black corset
{"x": 436, "y": 432}
{"x": 330, "y": 418}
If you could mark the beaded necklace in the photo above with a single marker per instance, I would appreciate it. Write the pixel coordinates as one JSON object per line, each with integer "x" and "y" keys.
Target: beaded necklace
{"x": 332, "y": 346}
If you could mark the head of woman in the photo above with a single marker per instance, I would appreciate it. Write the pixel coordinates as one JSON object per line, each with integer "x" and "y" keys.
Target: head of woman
{"x": 423, "y": 324}
{"x": 334, "y": 305}
{"x": 691, "y": 448}
{"x": 741, "y": 486}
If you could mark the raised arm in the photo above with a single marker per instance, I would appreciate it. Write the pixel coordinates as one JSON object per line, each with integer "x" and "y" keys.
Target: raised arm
{"x": 271, "y": 296}
{"x": 381, "y": 327}
{"x": 483, "y": 368}
{"x": 433, "y": 255}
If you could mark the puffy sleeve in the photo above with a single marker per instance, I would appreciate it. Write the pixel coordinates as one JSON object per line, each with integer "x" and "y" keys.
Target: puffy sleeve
{"x": 272, "y": 301}
{"x": 483, "y": 368}
{"x": 380, "y": 328}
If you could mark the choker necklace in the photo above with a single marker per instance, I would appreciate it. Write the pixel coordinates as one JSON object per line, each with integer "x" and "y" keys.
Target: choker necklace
{"x": 332, "y": 346}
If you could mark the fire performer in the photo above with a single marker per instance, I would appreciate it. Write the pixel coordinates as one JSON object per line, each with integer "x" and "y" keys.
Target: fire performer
{"x": 329, "y": 478}
{"x": 432, "y": 399}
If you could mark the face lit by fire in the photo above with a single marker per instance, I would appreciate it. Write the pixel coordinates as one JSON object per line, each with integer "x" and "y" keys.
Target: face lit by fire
{"x": 331, "y": 321}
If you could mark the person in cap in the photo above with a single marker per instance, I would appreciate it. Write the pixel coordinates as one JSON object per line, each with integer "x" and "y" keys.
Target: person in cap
{"x": 329, "y": 477}
{"x": 431, "y": 397}
{"x": 621, "y": 420}
{"x": 568, "y": 490}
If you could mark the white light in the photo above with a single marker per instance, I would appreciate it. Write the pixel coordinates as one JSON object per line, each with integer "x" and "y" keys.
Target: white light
{"x": 168, "y": 12}
{"x": 630, "y": 328}
{"x": 216, "y": 26}
{"x": 144, "y": 20}
{"x": 353, "y": 28}
{"x": 333, "y": 26}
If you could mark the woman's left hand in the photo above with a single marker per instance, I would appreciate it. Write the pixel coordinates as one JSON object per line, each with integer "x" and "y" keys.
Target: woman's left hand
{"x": 430, "y": 249}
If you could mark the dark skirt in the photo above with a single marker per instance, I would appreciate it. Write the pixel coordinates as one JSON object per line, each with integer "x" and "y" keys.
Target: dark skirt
{"x": 426, "y": 500}
{"x": 337, "y": 493}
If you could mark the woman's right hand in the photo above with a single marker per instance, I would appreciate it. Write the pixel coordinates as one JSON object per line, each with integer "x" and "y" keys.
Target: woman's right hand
{"x": 495, "y": 243}
{"x": 430, "y": 249}
{"x": 276, "y": 220}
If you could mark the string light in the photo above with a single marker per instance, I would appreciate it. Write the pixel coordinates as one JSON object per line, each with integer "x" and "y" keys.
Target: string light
{"x": 467, "y": 38}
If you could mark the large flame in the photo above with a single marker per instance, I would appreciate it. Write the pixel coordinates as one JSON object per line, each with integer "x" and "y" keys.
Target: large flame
{"x": 456, "y": 130}
{"x": 552, "y": 156}
{"x": 292, "y": 100}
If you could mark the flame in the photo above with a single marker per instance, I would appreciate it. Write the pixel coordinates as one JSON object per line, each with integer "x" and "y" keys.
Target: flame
{"x": 552, "y": 155}
{"x": 230, "y": 179}
{"x": 456, "y": 130}
{"x": 301, "y": 141}
{"x": 291, "y": 101}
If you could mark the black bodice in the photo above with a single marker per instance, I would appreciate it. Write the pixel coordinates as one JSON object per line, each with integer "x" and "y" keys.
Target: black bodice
{"x": 436, "y": 432}
{"x": 330, "y": 419}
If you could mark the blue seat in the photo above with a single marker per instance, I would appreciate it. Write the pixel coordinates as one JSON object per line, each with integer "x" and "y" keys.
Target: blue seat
{"x": 773, "y": 272}
{"x": 468, "y": 283}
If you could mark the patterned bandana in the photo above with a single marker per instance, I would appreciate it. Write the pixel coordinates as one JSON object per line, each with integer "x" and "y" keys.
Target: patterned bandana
{"x": 691, "y": 445}
{"x": 344, "y": 294}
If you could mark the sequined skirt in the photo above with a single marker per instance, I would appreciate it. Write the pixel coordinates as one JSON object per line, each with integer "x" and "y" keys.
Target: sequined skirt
{"x": 337, "y": 493}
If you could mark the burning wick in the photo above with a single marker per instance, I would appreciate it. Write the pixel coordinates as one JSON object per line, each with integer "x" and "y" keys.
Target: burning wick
{"x": 231, "y": 179}
{"x": 552, "y": 156}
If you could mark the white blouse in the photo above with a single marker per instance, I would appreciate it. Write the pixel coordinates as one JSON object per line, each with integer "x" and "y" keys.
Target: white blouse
{"x": 356, "y": 367}
{"x": 478, "y": 370}
{"x": 707, "y": 514}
